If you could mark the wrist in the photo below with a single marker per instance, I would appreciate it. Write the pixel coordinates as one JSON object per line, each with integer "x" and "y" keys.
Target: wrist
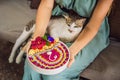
{"x": 36, "y": 35}
{"x": 73, "y": 51}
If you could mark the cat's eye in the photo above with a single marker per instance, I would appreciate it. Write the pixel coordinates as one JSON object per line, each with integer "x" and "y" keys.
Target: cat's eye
{"x": 68, "y": 24}
{"x": 75, "y": 26}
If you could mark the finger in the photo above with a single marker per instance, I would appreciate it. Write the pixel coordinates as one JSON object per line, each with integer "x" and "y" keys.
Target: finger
{"x": 28, "y": 47}
{"x": 23, "y": 49}
{"x": 70, "y": 63}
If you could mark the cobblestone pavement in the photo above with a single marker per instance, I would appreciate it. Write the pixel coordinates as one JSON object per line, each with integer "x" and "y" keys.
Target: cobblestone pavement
{"x": 9, "y": 71}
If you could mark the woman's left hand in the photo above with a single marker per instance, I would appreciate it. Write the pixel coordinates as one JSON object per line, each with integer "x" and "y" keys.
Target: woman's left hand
{"x": 71, "y": 60}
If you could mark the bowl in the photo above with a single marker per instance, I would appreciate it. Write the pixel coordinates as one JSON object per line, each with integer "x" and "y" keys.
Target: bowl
{"x": 50, "y": 60}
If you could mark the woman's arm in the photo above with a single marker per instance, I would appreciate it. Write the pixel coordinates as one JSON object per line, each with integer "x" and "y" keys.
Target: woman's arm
{"x": 91, "y": 28}
{"x": 42, "y": 17}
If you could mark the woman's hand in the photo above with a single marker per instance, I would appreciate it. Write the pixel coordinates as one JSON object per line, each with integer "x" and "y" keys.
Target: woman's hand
{"x": 71, "y": 60}
{"x": 27, "y": 46}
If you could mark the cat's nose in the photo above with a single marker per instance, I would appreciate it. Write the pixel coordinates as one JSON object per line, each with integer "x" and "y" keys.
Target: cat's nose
{"x": 70, "y": 30}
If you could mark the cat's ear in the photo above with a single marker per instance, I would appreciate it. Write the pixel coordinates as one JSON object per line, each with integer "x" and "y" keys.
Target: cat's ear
{"x": 67, "y": 17}
{"x": 80, "y": 22}
{"x": 83, "y": 20}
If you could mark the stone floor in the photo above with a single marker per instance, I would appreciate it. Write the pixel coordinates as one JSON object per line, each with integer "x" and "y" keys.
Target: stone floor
{"x": 9, "y": 71}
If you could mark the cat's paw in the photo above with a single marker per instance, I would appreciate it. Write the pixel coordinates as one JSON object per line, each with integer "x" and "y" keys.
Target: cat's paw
{"x": 10, "y": 59}
{"x": 18, "y": 60}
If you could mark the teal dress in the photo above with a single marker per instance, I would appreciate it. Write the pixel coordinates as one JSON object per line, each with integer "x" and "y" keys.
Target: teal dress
{"x": 87, "y": 54}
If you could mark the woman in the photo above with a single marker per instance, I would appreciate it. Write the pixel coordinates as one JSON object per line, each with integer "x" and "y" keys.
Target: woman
{"x": 89, "y": 43}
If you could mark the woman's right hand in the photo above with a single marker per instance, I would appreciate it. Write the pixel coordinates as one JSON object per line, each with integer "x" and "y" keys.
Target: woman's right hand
{"x": 27, "y": 46}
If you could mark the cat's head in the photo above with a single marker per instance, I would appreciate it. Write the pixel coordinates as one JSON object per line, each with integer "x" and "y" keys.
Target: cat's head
{"x": 74, "y": 22}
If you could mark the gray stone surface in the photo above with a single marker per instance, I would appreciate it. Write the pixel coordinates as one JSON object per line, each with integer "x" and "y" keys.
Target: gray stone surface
{"x": 9, "y": 71}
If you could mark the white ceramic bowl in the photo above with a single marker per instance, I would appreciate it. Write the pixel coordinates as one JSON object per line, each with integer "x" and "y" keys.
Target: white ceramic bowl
{"x": 50, "y": 70}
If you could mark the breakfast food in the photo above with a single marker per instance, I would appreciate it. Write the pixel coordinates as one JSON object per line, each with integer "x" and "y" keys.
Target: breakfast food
{"x": 47, "y": 55}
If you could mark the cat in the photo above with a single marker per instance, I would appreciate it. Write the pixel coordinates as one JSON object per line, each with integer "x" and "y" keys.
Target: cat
{"x": 66, "y": 28}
